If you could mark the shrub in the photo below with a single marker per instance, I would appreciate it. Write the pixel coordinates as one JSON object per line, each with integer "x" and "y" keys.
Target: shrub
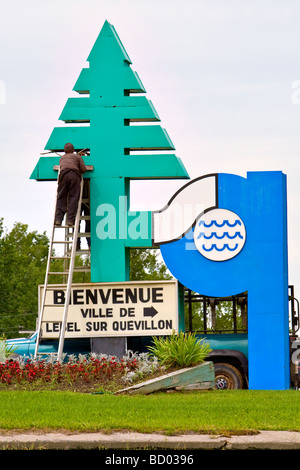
{"x": 182, "y": 349}
{"x": 5, "y": 349}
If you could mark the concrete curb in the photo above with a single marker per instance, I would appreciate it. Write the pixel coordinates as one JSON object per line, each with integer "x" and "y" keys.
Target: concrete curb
{"x": 136, "y": 441}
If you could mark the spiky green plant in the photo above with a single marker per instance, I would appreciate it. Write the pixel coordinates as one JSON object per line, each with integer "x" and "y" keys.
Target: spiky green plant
{"x": 182, "y": 349}
{"x": 5, "y": 349}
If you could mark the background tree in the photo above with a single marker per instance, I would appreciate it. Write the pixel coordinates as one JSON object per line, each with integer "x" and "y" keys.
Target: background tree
{"x": 23, "y": 257}
{"x": 145, "y": 265}
{"x": 219, "y": 316}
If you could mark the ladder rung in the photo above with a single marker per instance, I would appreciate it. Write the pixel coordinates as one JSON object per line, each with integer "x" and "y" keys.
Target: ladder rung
{"x": 80, "y": 234}
{"x": 85, "y": 217}
{"x": 83, "y": 252}
{"x": 63, "y": 241}
{"x": 51, "y": 287}
{"x": 79, "y": 268}
{"x": 53, "y": 272}
{"x": 55, "y": 321}
{"x": 60, "y": 257}
{"x": 47, "y": 353}
{"x": 53, "y": 305}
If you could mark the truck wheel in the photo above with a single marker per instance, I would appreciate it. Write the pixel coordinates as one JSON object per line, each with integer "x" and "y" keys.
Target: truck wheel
{"x": 227, "y": 377}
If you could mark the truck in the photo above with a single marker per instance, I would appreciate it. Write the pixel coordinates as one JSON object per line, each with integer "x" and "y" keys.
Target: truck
{"x": 229, "y": 343}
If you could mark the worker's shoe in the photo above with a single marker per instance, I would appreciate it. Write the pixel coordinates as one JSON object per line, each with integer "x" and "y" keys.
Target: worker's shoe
{"x": 70, "y": 223}
{"x": 57, "y": 223}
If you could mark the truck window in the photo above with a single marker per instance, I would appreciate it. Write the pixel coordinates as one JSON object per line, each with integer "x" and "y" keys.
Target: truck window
{"x": 216, "y": 315}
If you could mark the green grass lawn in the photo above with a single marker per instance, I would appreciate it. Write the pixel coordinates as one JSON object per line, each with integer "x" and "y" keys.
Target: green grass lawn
{"x": 232, "y": 411}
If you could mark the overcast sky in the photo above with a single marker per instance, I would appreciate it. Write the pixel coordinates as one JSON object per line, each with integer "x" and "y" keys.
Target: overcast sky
{"x": 224, "y": 77}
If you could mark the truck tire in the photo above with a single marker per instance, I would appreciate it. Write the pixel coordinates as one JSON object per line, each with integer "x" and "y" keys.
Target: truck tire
{"x": 227, "y": 377}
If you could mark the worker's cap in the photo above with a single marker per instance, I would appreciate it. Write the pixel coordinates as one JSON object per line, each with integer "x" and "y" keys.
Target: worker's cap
{"x": 69, "y": 148}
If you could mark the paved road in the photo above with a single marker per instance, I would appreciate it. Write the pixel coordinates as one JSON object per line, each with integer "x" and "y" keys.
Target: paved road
{"x": 129, "y": 440}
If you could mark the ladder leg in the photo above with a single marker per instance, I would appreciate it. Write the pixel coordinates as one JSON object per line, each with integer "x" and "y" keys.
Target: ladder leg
{"x": 70, "y": 278}
{"x": 40, "y": 318}
{"x": 69, "y": 273}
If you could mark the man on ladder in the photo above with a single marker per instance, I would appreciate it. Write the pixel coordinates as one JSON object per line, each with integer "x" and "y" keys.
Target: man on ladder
{"x": 71, "y": 168}
{"x": 69, "y": 197}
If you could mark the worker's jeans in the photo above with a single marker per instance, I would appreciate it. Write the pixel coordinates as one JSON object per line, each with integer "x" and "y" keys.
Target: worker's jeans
{"x": 68, "y": 193}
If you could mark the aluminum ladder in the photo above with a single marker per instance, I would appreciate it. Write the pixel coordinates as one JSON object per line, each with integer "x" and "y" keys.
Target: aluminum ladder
{"x": 69, "y": 244}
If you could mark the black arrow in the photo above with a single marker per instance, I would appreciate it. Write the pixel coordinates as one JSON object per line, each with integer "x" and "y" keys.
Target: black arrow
{"x": 150, "y": 312}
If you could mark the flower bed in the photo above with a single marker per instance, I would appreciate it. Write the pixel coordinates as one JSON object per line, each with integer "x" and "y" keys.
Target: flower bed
{"x": 85, "y": 373}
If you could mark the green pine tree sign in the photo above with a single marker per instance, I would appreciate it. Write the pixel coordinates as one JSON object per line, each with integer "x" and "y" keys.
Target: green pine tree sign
{"x": 111, "y": 98}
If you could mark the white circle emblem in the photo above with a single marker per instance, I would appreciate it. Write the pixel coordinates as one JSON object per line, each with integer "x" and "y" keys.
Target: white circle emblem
{"x": 219, "y": 234}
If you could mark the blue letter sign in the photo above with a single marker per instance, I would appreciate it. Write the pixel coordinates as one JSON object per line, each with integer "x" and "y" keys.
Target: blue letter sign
{"x": 221, "y": 235}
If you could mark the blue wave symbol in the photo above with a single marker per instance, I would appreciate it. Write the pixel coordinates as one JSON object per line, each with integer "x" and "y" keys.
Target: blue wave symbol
{"x": 214, "y": 222}
{"x": 224, "y": 247}
{"x": 219, "y": 237}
